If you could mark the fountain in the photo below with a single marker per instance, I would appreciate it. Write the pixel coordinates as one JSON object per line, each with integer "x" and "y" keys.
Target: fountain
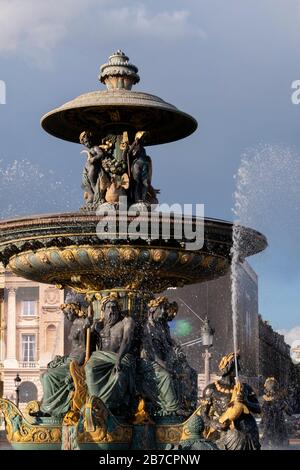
{"x": 120, "y": 393}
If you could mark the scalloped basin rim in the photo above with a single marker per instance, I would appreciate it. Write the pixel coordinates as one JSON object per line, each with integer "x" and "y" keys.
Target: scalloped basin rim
{"x": 64, "y": 249}
{"x": 58, "y": 224}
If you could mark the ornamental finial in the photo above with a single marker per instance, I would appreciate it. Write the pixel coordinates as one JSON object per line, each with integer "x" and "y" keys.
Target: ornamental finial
{"x": 119, "y": 72}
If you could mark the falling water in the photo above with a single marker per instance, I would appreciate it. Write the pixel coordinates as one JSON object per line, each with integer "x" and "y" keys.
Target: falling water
{"x": 25, "y": 188}
{"x": 267, "y": 198}
{"x": 234, "y": 288}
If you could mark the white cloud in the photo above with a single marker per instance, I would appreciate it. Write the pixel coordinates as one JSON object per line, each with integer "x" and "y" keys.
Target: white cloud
{"x": 163, "y": 24}
{"x": 291, "y": 335}
{"x": 35, "y": 28}
{"x": 28, "y": 23}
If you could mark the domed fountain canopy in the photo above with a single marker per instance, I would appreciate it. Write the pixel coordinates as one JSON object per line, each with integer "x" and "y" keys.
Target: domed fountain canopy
{"x": 119, "y": 109}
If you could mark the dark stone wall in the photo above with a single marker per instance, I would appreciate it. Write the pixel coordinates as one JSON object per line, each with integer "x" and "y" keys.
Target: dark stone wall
{"x": 213, "y": 299}
{"x": 274, "y": 354}
{"x": 293, "y": 390}
{"x": 275, "y": 361}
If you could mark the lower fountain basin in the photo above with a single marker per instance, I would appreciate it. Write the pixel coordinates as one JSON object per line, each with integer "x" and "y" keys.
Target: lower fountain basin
{"x": 71, "y": 251}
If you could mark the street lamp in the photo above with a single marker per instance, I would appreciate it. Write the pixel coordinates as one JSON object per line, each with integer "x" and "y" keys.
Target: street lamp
{"x": 207, "y": 336}
{"x": 17, "y": 381}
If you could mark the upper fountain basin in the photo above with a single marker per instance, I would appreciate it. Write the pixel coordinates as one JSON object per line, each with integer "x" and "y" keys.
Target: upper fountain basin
{"x": 114, "y": 111}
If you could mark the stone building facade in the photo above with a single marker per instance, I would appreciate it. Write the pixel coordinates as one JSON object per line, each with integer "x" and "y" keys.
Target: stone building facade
{"x": 31, "y": 333}
{"x": 274, "y": 354}
{"x": 275, "y": 361}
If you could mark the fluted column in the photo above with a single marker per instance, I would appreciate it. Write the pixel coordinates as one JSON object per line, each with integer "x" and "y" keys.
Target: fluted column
{"x": 11, "y": 360}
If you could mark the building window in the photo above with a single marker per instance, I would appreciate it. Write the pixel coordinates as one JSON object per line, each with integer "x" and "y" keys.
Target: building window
{"x": 28, "y": 348}
{"x": 29, "y": 308}
{"x": 28, "y": 392}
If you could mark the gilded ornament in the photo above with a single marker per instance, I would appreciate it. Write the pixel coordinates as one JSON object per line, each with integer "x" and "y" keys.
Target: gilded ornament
{"x": 128, "y": 254}
{"x": 185, "y": 258}
{"x": 80, "y": 393}
{"x": 235, "y": 409}
{"x": 142, "y": 416}
{"x": 158, "y": 255}
{"x": 154, "y": 303}
{"x": 24, "y": 261}
{"x": 43, "y": 257}
{"x": 222, "y": 389}
{"x": 226, "y": 360}
{"x": 171, "y": 434}
{"x": 207, "y": 260}
{"x": 19, "y": 430}
{"x": 68, "y": 255}
{"x": 71, "y": 418}
{"x": 96, "y": 255}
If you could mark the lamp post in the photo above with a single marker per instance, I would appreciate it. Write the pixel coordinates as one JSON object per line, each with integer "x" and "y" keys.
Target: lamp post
{"x": 207, "y": 336}
{"x": 17, "y": 381}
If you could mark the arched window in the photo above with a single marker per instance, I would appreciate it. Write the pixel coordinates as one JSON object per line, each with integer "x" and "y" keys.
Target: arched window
{"x": 50, "y": 338}
{"x": 28, "y": 392}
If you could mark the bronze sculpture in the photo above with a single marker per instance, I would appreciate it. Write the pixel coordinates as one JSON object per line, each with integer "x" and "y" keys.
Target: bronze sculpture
{"x": 226, "y": 410}
{"x": 141, "y": 172}
{"x": 115, "y": 168}
{"x": 57, "y": 381}
{"x": 110, "y": 369}
{"x": 158, "y": 385}
{"x": 274, "y": 406}
{"x": 94, "y": 179}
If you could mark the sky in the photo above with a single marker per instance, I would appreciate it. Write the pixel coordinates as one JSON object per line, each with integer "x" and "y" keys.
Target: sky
{"x": 229, "y": 64}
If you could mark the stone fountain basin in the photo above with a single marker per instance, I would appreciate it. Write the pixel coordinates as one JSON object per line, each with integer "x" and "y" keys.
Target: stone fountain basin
{"x": 64, "y": 249}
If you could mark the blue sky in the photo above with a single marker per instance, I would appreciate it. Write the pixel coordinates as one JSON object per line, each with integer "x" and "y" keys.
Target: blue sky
{"x": 229, "y": 64}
